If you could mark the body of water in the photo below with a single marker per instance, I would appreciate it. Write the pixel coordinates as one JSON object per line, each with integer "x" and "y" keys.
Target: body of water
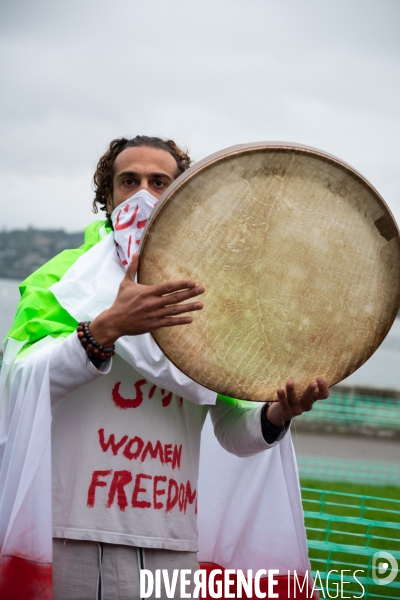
{"x": 9, "y": 297}
{"x": 382, "y": 370}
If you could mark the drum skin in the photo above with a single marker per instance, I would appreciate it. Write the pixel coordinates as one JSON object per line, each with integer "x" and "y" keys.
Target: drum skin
{"x": 300, "y": 258}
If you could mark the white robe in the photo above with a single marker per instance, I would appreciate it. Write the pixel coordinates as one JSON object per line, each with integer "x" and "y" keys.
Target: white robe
{"x": 250, "y": 512}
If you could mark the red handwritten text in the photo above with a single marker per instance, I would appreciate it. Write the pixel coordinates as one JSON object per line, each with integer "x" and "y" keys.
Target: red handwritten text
{"x": 145, "y": 492}
{"x": 124, "y": 403}
{"x": 119, "y": 226}
{"x": 135, "y": 448}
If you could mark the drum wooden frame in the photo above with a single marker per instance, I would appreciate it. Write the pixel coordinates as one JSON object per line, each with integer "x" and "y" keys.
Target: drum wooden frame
{"x": 300, "y": 257}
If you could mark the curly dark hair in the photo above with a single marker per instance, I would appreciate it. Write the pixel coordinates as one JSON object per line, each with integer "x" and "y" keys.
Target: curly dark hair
{"x": 103, "y": 177}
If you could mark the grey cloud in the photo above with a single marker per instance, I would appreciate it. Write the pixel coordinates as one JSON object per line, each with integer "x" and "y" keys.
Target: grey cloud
{"x": 210, "y": 74}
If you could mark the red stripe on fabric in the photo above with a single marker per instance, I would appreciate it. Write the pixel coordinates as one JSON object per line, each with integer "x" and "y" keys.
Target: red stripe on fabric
{"x": 281, "y": 587}
{"x": 22, "y": 579}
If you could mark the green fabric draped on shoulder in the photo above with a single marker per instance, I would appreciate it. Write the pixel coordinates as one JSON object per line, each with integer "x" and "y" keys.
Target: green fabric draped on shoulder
{"x": 39, "y": 314}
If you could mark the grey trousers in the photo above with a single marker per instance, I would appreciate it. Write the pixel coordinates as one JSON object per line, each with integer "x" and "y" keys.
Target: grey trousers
{"x": 98, "y": 571}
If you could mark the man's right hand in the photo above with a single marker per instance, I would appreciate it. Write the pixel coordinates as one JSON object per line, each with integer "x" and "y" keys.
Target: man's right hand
{"x": 140, "y": 308}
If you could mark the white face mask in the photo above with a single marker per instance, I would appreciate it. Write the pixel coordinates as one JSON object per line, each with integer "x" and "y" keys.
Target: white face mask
{"x": 129, "y": 219}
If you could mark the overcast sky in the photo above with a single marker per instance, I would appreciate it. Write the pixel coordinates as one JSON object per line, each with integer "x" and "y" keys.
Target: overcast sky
{"x": 209, "y": 74}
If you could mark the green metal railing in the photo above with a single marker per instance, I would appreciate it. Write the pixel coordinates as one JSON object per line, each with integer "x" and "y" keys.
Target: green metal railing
{"x": 354, "y": 471}
{"x": 354, "y": 410}
{"x": 345, "y": 531}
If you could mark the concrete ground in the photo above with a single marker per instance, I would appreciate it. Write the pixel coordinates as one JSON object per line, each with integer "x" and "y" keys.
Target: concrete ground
{"x": 345, "y": 446}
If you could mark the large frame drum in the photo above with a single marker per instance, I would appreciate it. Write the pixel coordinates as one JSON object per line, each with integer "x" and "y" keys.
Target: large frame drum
{"x": 300, "y": 257}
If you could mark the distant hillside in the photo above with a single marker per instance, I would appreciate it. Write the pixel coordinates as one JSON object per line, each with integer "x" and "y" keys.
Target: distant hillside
{"x": 24, "y": 251}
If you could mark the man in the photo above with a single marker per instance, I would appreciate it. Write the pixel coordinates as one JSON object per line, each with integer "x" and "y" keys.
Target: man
{"x": 126, "y": 430}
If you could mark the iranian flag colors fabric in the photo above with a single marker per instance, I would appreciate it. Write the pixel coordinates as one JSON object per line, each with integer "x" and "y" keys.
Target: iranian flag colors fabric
{"x": 250, "y": 512}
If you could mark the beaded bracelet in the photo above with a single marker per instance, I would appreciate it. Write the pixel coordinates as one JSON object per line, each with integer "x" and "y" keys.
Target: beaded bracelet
{"x": 92, "y": 348}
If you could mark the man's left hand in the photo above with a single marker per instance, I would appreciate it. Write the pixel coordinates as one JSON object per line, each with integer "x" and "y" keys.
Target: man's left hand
{"x": 290, "y": 405}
